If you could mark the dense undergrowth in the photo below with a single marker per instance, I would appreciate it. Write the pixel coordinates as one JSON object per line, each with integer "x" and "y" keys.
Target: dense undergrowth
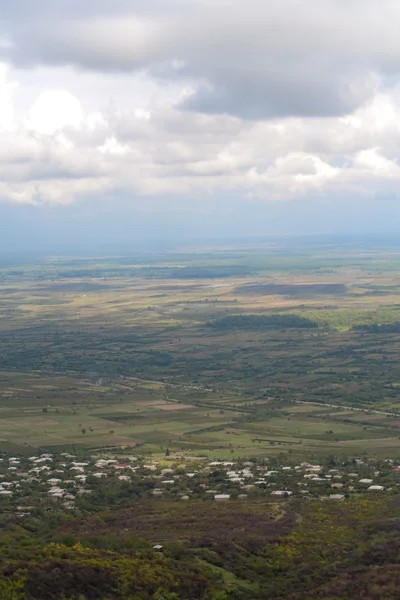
{"x": 321, "y": 550}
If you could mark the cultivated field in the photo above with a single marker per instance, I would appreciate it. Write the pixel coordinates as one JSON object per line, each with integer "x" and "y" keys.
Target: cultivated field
{"x": 245, "y": 351}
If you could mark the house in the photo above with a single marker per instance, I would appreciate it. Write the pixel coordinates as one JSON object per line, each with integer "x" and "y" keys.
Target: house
{"x": 222, "y": 497}
{"x": 366, "y": 481}
{"x": 158, "y": 547}
{"x": 376, "y": 488}
{"x": 336, "y": 497}
{"x": 55, "y": 490}
{"x": 281, "y": 493}
{"x": 247, "y": 474}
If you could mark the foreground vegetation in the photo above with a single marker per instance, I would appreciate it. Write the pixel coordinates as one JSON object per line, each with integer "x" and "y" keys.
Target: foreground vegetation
{"x": 315, "y": 549}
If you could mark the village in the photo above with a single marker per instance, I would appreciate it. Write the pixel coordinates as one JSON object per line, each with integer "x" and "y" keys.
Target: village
{"x": 71, "y": 482}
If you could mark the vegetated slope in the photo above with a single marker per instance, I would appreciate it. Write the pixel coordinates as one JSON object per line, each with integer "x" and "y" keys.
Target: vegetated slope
{"x": 312, "y": 549}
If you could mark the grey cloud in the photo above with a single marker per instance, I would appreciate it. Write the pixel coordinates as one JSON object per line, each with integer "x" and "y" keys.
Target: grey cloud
{"x": 260, "y": 95}
{"x": 252, "y": 58}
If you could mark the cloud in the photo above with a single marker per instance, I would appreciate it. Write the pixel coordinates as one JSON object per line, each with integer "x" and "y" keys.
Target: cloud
{"x": 255, "y": 59}
{"x": 53, "y": 110}
{"x": 157, "y": 100}
{"x": 57, "y": 152}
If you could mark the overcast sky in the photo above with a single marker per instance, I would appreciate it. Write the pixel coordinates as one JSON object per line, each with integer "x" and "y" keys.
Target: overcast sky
{"x": 174, "y": 118}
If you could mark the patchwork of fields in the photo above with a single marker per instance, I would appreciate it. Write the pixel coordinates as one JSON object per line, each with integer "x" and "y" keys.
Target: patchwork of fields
{"x": 204, "y": 353}
{"x": 55, "y": 411}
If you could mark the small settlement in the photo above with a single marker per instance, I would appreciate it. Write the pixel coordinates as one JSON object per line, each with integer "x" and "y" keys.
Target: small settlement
{"x": 70, "y": 480}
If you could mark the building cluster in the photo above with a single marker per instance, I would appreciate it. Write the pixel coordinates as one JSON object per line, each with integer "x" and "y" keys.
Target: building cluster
{"x": 29, "y": 482}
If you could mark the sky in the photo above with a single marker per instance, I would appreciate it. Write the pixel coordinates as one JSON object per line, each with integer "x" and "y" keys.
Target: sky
{"x": 140, "y": 120}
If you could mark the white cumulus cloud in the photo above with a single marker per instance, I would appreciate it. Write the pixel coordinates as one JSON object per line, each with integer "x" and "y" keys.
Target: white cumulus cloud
{"x": 268, "y": 99}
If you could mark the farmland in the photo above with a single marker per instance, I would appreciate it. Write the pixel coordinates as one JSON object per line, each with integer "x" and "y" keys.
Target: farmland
{"x": 209, "y": 351}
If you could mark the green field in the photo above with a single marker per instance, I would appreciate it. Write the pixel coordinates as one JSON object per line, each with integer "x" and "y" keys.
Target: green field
{"x": 206, "y": 352}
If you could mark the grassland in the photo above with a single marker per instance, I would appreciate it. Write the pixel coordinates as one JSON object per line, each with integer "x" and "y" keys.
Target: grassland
{"x": 208, "y": 352}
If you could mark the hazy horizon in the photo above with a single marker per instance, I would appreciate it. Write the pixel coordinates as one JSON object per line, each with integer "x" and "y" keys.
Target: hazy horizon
{"x": 91, "y": 227}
